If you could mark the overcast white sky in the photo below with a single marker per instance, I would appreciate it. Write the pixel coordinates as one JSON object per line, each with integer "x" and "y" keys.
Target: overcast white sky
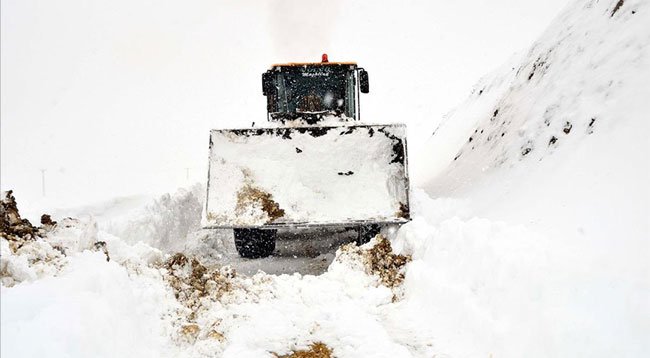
{"x": 117, "y": 97}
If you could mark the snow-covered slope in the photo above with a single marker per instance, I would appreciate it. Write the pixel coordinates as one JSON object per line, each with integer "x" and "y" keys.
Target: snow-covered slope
{"x": 556, "y": 140}
{"x": 560, "y": 134}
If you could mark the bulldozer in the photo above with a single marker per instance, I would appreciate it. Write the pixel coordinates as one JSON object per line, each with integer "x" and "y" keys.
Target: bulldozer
{"x": 312, "y": 165}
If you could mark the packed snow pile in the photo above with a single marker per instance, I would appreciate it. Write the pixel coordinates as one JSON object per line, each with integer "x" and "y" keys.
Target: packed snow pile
{"x": 30, "y": 252}
{"x": 165, "y": 222}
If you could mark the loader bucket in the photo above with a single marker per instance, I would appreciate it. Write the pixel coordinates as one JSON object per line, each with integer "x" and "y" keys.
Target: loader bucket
{"x": 307, "y": 176}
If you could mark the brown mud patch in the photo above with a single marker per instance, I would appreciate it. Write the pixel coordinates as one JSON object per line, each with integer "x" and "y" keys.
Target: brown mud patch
{"x": 250, "y": 196}
{"x": 403, "y": 211}
{"x": 192, "y": 283}
{"x": 316, "y": 350}
{"x": 381, "y": 260}
{"x": 190, "y": 279}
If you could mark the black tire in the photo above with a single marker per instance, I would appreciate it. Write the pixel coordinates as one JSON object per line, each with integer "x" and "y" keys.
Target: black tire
{"x": 254, "y": 243}
{"x": 367, "y": 232}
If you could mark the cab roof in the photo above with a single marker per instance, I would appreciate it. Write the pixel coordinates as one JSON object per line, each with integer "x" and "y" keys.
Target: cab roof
{"x": 313, "y": 64}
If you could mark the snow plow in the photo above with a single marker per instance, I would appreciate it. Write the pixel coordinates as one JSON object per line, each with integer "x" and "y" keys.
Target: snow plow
{"x": 313, "y": 165}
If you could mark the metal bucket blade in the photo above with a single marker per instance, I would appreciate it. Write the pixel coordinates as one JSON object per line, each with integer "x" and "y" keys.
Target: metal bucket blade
{"x": 307, "y": 176}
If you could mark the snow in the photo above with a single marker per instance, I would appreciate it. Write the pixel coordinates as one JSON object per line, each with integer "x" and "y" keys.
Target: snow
{"x": 256, "y": 315}
{"x": 163, "y": 223}
{"x": 502, "y": 287}
{"x": 344, "y": 308}
{"x": 558, "y": 129}
{"x": 556, "y": 140}
{"x": 521, "y": 246}
{"x": 93, "y": 308}
{"x": 508, "y": 289}
{"x": 559, "y": 142}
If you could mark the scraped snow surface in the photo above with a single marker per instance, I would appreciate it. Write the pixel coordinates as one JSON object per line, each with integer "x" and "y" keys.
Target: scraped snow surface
{"x": 521, "y": 244}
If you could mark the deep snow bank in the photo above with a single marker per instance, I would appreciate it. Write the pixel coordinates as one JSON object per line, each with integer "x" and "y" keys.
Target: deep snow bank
{"x": 163, "y": 223}
{"x": 485, "y": 287}
{"x": 64, "y": 295}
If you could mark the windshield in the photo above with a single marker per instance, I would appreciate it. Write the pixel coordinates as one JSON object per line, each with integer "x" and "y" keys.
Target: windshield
{"x": 310, "y": 92}
{"x": 304, "y": 91}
